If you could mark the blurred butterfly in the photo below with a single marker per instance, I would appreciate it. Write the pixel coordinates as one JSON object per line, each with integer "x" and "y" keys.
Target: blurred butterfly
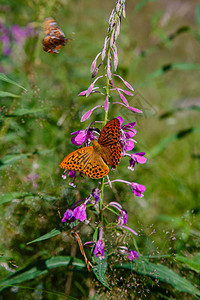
{"x": 54, "y": 38}
{"x": 93, "y": 160}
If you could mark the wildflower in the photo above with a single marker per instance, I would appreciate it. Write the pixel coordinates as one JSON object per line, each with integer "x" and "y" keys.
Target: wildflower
{"x": 96, "y": 194}
{"x": 133, "y": 255}
{"x": 99, "y": 249}
{"x": 93, "y": 66}
{"x": 79, "y": 213}
{"x": 137, "y": 158}
{"x": 126, "y": 141}
{"x": 88, "y": 113}
{"x": 81, "y": 136}
{"x": 123, "y": 217}
{"x": 68, "y": 216}
{"x": 136, "y": 188}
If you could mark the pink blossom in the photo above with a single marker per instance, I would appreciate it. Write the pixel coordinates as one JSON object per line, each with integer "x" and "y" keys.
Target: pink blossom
{"x": 93, "y": 66}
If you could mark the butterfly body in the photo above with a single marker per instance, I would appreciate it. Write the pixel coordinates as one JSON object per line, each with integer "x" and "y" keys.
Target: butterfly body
{"x": 54, "y": 38}
{"x": 93, "y": 160}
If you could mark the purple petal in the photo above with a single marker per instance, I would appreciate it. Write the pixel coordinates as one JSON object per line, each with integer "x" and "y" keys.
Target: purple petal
{"x": 121, "y": 120}
{"x": 129, "y": 145}
{"x": 83, "y": 93}
{"x": 93, "y": 66}
{"x": 135, "y": 110}
{"x": 103, "y": 53}
{"x": 80, "y": 213}
{"x": 86, "y": 115}
{"x": 123, "y": 99}
{"x": 133, "y": 255}
{"x": 125, "y": 82}
{"x": 126, "y": 92}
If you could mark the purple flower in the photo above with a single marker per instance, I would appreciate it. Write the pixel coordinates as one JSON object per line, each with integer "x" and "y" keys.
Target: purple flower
{"x": 126, "y": 141}
{"x": 133, "y": 255}
{"x": 99, "y": 249}
{"x": 123, "y": 217}
{"x": 96, "y": 194}
{"x": 93, "y": 66}
{"x": 68, "y": 216}
{"x": 81, "y": 136}
{"x": 125, "y": 82}
{"x": 80, "y": 212}
{"x": 137, "y": 158}
{"x": 88, "y": 113}
{"x": 137, "y": 189}
{"x": 72, "y": 173}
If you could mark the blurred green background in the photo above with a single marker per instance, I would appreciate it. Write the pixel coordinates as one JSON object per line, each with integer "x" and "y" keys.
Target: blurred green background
{"x": 158, "y": 50}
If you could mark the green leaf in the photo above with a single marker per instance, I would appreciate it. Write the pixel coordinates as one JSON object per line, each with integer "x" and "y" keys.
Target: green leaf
{"x": 161, "y": 273}
{"x": 99, "y": 269}
{"x": 3, "y": 77}
{"x": 40, "y": 268}
{"x": 25, "y": 111}
{"x": 11, "y": 196}
{"x": 7, "y": 94}
{"x": 198, "y": 15}
{"x": 11, "y": 158}
{"x": 192, "y": 263}
{"x": 46, "y": 236}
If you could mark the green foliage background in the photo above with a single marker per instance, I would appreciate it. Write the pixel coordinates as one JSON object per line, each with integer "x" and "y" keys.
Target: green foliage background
{"x": 158, "y": 52}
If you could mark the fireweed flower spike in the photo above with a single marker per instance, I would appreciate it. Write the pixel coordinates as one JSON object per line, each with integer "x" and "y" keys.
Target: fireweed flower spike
{"x": 82, "y": 138}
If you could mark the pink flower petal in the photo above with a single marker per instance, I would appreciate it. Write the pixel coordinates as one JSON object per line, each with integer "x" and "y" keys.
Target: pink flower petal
{"x": 133, "y": 109}
{"x": 125, "y": 82}
{"x": 93, "y": 65}
{"x": 83, "y": 93}
{"x": 86, "y": 115}
{"x": 123, "y": 99}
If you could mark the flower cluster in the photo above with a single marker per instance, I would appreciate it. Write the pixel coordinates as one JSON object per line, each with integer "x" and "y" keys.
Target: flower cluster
{"x": 108, "y": 58}
{"x": 15, "y": 34}
{"x": 79, "y": 213}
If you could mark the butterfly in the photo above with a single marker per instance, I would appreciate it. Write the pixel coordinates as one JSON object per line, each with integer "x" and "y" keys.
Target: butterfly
{"x": 93, "y": 160}
{"x": 54, "y": 38}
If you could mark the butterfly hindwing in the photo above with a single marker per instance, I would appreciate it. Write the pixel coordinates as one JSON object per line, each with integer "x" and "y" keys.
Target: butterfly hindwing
{"x": 96, "y": 167}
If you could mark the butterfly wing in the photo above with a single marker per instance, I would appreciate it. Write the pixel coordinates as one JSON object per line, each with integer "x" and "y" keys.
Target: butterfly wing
{"x": 87, "y": 161}
{"x": 112, "y": 154}
{"x": 110, "y": 134}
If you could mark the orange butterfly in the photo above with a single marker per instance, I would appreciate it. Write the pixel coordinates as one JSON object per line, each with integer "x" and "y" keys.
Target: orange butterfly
{"x": 93, "y": 160}
{"x": 54, "y": 38}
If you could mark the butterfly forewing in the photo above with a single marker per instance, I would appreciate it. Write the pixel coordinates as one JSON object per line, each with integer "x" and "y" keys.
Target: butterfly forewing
{"x": 93, "y": 161}
{"x": 78, "y": 159}
{"x": 86, "y": 161}
{"x": 110, "y": 134}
